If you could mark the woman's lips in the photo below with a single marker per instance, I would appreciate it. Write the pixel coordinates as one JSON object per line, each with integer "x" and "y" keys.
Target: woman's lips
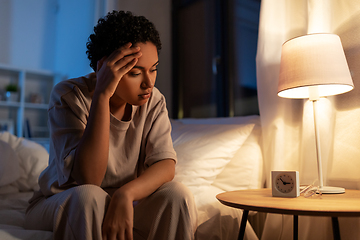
{"x": 145, "y": 96}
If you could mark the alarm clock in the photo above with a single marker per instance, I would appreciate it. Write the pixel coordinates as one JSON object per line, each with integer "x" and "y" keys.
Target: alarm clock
{"x": 285, "y": 184}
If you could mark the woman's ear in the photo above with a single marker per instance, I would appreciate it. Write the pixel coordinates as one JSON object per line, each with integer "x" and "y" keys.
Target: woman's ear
{"x": 100, "y": 63}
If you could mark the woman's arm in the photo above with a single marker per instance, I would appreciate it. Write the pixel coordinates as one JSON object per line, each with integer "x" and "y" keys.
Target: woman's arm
{"x": 91, "y": 155}
{"x": 92, "y": 152}
{"x": 149, "y": 181}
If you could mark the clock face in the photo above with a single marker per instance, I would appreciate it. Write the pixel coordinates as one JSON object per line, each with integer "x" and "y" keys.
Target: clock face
{"x": 284, "y": 183}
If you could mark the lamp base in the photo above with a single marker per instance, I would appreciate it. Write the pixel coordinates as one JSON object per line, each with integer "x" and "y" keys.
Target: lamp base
{"x": 329, "y": 190}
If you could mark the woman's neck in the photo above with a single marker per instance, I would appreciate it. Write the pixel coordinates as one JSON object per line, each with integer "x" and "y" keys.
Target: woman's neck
{"x": 122, "y": 112}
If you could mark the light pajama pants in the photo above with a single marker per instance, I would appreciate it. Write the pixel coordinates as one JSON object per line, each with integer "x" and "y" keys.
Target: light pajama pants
{"x": 77, "y": 213}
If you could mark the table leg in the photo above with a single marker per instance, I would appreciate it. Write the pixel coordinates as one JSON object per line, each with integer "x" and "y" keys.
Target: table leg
{"x": 336, "y": 228}
{"x": 296, "y": 228}
{"x": 243, "y": 224}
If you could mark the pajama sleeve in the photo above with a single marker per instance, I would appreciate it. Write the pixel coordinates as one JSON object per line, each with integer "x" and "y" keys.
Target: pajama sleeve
{"x": 158, "y": 140}
{"x": 67, "y": 121}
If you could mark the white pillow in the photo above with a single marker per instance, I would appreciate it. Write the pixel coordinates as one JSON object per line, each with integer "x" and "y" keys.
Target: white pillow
{"x": 33, "y": 159}
{"x": 9, "y": 164}
{"x": 204, "y": 150}
{"x": 245, "y": 170}
{"x": 222, "y": 120}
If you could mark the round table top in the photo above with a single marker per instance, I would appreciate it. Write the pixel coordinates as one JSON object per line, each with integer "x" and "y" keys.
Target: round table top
{"x": 337, "y": 205}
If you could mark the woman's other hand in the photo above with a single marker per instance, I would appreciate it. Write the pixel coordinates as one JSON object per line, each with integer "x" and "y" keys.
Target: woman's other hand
{"x": 119, "y": 218}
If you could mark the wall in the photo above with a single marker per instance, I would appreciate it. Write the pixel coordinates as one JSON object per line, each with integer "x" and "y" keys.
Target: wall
{"x": 5, "y": 30}
{"x": 26, "y": 39}
{"x": 75, "y": 22}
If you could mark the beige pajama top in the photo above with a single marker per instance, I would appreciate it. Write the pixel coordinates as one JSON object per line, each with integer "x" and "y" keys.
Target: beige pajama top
{"x": 134, "y": 145}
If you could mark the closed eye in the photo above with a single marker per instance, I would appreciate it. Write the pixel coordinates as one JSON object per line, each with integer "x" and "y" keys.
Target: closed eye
{"x": 133, "y": 74}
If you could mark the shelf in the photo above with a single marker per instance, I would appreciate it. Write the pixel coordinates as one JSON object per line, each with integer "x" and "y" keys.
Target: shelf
{"x": 36, "y": 105}
{"x": 29, "y": 114}
{"x": 26, "y": 105}
{"x": 9, "y": 68}
{"x": 9, "y": 104}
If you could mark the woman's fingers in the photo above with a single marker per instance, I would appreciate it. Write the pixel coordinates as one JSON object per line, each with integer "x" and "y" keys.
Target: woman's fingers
{"x": 100, "y": 63}
{"x": 123, "y": 52}
{"x": 127, "y": 62}
{"x": 128, "y": 66}
{"x": 123, "y": 59}
{"x": 126, "y": 47}
{"x": 129, "y": 234}
{"x": 111, "y": 69}
{"x": 122, "y": 234}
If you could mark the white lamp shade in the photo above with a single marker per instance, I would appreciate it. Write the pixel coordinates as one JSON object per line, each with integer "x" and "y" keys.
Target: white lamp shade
{"x": 311, "y": 65}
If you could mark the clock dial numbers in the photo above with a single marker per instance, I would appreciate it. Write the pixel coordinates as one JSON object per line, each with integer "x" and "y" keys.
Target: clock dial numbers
{"x": 285, "y": 183}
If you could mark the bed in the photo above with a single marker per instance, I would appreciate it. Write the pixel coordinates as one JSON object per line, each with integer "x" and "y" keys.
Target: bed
{"x": 214, "y": 155}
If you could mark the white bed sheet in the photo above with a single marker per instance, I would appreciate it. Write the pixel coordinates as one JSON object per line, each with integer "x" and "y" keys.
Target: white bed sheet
{"x": 12, "y": 217}
{"x": 215, "y": 220}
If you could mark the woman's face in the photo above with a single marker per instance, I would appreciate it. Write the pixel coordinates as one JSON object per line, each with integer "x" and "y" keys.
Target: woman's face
{"x": 136, "y": 86}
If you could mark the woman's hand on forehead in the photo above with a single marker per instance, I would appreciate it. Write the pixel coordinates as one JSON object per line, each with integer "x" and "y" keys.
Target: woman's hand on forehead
{"x": 111, "y": 69}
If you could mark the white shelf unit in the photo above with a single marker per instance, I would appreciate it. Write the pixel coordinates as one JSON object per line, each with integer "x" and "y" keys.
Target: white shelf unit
{"x": 29, "y": 112}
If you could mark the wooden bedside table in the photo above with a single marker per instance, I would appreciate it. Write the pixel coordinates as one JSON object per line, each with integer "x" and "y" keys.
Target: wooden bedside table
{"x": 332, "y": 205}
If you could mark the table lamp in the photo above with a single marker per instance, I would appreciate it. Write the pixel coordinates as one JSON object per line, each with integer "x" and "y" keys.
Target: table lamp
{"x": 314, "y": 66}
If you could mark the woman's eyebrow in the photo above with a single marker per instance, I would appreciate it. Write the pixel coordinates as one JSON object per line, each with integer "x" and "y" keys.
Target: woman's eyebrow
{"x": 140, "y": 67}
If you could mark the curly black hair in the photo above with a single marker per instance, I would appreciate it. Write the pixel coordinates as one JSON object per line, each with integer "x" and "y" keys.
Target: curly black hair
{"x": 115, "y": 30}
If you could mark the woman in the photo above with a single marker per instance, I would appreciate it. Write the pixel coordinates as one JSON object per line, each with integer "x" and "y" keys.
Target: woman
{"x": 111, "y": 155}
